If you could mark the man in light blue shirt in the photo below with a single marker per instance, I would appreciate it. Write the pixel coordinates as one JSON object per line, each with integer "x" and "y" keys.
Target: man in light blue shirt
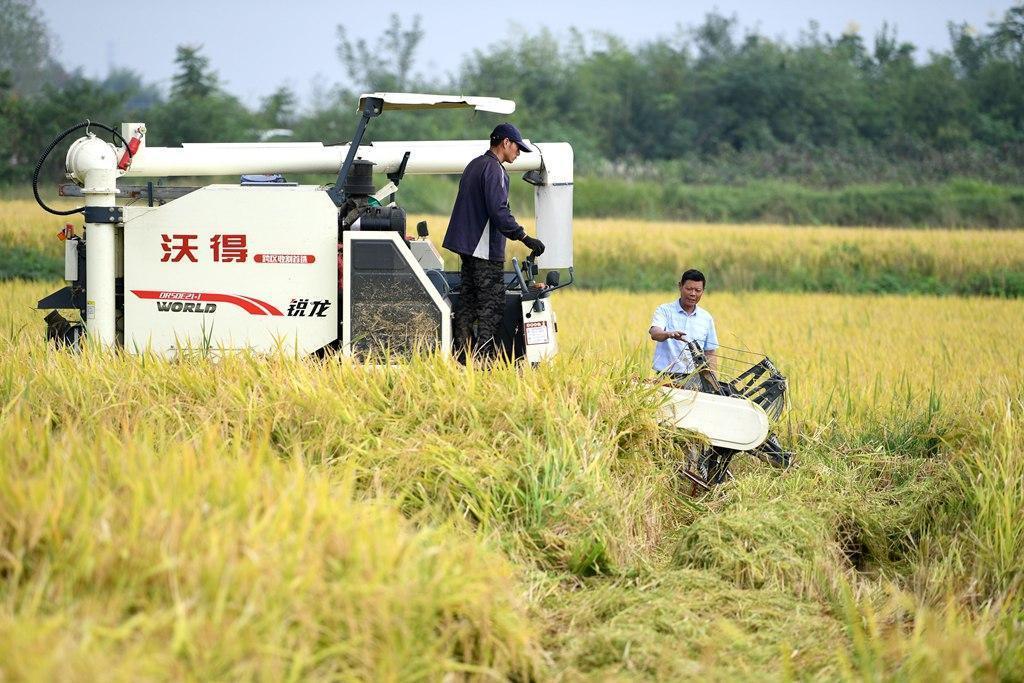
{"x": 683, "y": 320}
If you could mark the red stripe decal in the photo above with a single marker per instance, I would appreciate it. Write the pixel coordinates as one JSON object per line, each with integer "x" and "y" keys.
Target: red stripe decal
{"x": 269, "y": 308}
{"x": 251, "y": 306}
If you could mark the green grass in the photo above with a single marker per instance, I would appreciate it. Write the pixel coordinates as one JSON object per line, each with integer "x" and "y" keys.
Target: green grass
{"x": 952, "y": 204}
{"x": 23, "y": 263}
{"x": 278, "y": 518}
{"x": 962, "y": 204}
{"x": 143, "y": 555}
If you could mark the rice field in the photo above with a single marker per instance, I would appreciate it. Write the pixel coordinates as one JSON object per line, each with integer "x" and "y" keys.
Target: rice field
{"x": 643, "y": 256}
{"x": 272, "y": 518}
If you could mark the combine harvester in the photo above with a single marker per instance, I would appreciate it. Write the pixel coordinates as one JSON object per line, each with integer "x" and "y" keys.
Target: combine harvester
{"x": 267, "y": 264}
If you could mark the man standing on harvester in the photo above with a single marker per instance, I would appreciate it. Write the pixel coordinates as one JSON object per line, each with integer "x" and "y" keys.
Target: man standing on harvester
{"x": 481, "y": 222}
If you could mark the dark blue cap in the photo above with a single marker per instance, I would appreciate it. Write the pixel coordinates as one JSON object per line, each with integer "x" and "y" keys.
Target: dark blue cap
{"x": 507, "y": 130}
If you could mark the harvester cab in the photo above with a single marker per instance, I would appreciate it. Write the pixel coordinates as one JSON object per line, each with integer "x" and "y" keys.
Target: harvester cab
{"x": 268, "y": 264}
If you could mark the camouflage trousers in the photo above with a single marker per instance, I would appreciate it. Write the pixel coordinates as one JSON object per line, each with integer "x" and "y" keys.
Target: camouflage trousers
{"x": 481, "y": 303}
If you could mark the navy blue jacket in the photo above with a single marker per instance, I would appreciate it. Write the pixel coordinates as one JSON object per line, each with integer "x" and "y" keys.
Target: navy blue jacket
{"x": 481, "y": 219}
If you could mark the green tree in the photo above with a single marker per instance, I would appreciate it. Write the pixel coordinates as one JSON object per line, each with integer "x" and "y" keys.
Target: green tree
{"x": 277, "y": 110}
{"x": 714, "y": 39}
{"x": 194, "y": 78}
{"x": 384, "y": 65}
{"x": 387, "y": 64}
{"x": 139, "y": 96}
{"x": 10, "y": 115}
{"x": 40, "y": 118}
{"x": 197, "y": 109}
{"x": 25, "y": 48}
{"x": 711, "y": 102}
{"x": 1008, "y": 34}
{"x": 607, "y": 98}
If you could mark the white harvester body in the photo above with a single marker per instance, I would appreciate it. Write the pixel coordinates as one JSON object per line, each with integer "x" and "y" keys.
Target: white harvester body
{"x": 229, "y": 267}
{"x": 256, "y": 265}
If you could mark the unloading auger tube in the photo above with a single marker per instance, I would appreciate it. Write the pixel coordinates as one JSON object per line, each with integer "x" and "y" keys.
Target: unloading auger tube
{"x": 112, "y": 246}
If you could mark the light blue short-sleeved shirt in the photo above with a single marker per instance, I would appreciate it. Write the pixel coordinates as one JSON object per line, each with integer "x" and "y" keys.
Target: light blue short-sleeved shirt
{"x": 672, "y": 355}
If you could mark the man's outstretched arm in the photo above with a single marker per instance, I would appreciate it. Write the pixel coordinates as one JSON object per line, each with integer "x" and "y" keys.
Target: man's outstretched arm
{"x": 659, "y": 335}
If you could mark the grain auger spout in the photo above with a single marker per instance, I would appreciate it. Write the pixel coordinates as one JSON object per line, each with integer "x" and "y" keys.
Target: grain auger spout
{"x": 734, "y": 408}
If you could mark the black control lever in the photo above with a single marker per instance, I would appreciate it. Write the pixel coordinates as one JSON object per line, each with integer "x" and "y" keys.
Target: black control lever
{"x": 524, "y": 282}
{"x": 552, "y": 286}
{"x": 396, "y": 176}
{"x": 519, "y": 276}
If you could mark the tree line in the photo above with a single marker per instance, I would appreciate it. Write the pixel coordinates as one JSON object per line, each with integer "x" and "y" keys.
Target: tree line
{"x": 711, "y": 103}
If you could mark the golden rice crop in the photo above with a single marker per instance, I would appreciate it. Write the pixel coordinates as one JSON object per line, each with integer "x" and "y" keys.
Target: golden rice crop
{"x": 728, "y": 251}
{"x": 844, "y": 356}
{"x": 648, "y": 256}
{"x": 276, "y": 517}
{"x": 23, "y": 223}
{"x": 273, "y": 517}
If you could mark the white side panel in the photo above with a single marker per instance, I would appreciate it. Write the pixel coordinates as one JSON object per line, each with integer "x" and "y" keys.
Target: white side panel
{"x": 232, "y": 267}
{"x": 727, "y": 422}
{"x": 71, "y": 259}
{"x": 426, "y": 254}
{"x": 539, "y": 332}
{"x": 553, "y": 204}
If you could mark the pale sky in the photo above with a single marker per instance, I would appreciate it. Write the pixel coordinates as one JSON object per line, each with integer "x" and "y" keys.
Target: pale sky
{"x": 258, "y": 46}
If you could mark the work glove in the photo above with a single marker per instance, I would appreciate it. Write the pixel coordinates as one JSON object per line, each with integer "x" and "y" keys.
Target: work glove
{"x": 535, "y": 246}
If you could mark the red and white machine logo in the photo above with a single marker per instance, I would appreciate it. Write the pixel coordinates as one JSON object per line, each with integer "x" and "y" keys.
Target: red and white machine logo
{"x": 248, "y": 303}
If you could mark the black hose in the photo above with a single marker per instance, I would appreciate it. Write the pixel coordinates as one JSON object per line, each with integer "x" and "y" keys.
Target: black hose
{"x": 56, "y": 141}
